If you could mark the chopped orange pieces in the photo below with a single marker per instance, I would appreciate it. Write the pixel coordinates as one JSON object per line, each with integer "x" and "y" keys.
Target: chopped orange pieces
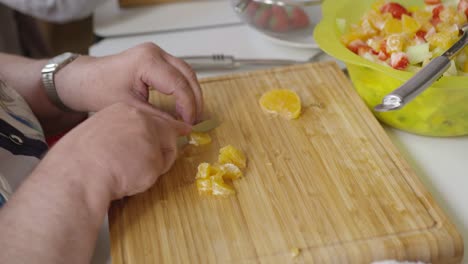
{"x": 199, "y": 138}
{"x": 230, "y": 154}
{"x": 219, "y": 187}
{"x": 231, "y": 171}
{"x": 204, "y": 186}
{"x": 210, "y": 179}
{"x": 283, "y": 102}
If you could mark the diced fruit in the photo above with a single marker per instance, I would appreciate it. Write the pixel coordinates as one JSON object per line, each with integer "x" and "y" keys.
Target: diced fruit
{"x": 395, "y": 43}
{"x": 230, "y": 154}
{"x": 204, "y": 171}
{"x": 356, "y": 45}
{"x": 393, "y": 26}
{"x": 421, "y": 34}
{"x": 210, "y": 178}
{"x": 432, "y": 2}
{"x": 204, "y": 186}
{"x": 230, "y": 171}
{"x": 463, "y": 7}
{"x": 410, "y": 25}
{"x": 395, "y": 9}
{"x": 198, "y": 138}
{"x": 284, "y": 102}
{"x": 399, "y": 61}
{"x": 220, "y": 188}
{"x": 419, "y": 53}
{"x": 442, "y": 40}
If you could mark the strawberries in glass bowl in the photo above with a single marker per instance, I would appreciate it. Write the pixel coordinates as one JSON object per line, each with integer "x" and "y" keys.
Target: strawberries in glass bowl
{"x": 284, "y": 19}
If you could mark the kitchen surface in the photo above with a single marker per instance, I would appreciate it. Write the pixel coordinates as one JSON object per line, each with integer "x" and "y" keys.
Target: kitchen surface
{"x": 369, "y": 191}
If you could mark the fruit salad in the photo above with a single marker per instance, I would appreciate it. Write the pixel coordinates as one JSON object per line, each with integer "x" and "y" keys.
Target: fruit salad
{"x": 408, "y": 37}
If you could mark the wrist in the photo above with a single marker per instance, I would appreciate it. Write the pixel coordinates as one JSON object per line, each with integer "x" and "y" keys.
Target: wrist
{"x": 71, "y": 82}
{"x": 84, "y": 181}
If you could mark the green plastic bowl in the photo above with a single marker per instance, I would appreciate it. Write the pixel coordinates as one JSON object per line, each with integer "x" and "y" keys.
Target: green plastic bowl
{"x": 441, "y": 110}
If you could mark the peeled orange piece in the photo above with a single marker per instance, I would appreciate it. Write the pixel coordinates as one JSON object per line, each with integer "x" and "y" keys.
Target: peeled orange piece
{"x": 204, "y": 170}
{"x": 230, "y": 171}
{"x": 199, "y": 138}
{"x": 283, "y": 102}
{"x": 204, "y": 186}
{"x": 219, "y": 187}
{"x": 230, "y": 154}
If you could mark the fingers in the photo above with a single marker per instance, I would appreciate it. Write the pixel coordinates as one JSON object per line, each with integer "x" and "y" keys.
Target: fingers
{"x": 181, "y": 128}
{"x": 166, "y": 79}
{"x": 191, "y": 77}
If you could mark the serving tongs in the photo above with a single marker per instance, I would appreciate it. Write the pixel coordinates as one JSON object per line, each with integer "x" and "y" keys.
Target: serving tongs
{"x": 423, "y": 78}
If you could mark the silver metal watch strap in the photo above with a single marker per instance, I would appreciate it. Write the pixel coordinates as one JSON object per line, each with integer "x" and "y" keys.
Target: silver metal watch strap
{"x": 48, "y": 78}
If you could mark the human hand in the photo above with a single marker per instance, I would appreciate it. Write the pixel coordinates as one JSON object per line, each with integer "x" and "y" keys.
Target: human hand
{"x": 122, "y": 148}
{"x": 90, "y": 84}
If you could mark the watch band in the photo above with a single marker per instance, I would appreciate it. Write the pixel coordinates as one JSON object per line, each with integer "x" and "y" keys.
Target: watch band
{"x": 48, "y": 77}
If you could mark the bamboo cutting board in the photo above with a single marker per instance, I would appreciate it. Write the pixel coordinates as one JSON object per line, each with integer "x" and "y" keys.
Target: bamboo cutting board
{"x": 330, "y": 183}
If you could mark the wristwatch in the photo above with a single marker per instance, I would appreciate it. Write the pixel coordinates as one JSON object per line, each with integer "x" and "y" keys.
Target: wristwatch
{"x": 48, "y": 77}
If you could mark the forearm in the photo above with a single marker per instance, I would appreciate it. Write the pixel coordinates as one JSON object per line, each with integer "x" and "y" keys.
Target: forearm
{"x": 54, "y": 217}
{"x": 24, "y": 75}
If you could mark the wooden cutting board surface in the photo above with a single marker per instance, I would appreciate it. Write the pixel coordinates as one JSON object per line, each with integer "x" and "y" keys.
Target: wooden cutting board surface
{"x": 330, "y": 183}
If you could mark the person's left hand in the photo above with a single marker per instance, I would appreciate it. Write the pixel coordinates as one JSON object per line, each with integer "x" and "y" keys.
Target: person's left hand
{"x": 90, "y": 84}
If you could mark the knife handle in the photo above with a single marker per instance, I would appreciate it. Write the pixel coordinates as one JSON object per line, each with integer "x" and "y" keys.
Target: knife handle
{"x": 213, "y": 62}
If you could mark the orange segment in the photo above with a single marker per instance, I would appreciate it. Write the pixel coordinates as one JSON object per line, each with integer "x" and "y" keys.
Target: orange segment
{"x": 204, "y": 170}
{"x": 229, "y": 154}
{"x": 230, "y": 171}
{"x": 199, "y": 138}
{"x": 219, "y": 187}
{"x": 204, "y": 186}
{"x": 283, "y": 102}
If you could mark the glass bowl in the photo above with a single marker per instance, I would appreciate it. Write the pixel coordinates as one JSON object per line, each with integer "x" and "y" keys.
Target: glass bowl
{"x": 441, "y": 110}
{"x": 291, "y": 21}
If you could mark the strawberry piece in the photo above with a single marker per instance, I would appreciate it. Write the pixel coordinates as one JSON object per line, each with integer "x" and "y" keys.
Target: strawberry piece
{"x": 298, "y": 18}
{"x": 463, "y": 6}
{"x": 432, "y": 2}
{"x": 399, "y": 60}
{"x": 421, "y": 34}
{"x": 279, "y": 21}
{"x": 436, "y": 11}
{"x": 355, "y": 45}
{"x": 382, "y": 56}
{"x": 395, "y": 9}
{"x": 262, "y": 17}
{"x": 252, "y": 8}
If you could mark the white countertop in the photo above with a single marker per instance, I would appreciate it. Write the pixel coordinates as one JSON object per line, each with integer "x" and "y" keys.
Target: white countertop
{"x": 109, "y": 20}
{"x": 439, "y": 162}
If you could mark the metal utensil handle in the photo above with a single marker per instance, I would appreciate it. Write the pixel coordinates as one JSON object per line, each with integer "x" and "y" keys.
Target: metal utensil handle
{"x": 422, "y": 79}
{"x": 213, "y": 62}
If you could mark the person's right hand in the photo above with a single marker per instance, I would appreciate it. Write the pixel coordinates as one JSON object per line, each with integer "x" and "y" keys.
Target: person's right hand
{"x": 122, "y": 148}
